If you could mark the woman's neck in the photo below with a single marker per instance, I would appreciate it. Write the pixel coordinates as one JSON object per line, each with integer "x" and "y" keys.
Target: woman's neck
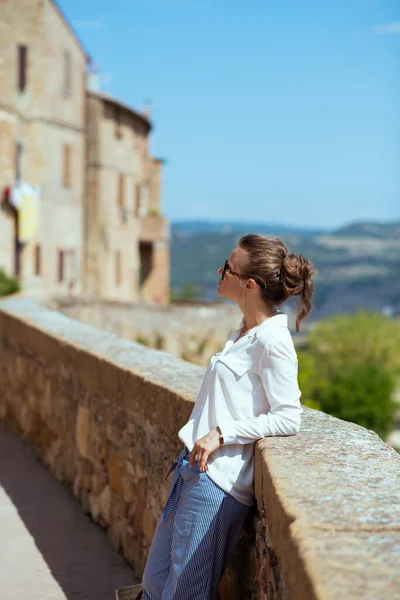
{"x": 258, "y": 317}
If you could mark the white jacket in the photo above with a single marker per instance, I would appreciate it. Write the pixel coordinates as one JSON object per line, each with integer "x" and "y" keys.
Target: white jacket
{"x": 250, "y": 390}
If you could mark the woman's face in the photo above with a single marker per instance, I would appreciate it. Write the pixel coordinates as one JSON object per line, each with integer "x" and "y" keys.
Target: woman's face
{"x": 232, "y": 286}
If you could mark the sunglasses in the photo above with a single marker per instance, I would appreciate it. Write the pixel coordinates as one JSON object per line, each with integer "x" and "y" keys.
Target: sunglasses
{"x": 226, "y": 268}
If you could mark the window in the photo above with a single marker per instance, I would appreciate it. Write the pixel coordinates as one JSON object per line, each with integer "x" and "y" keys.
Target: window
{"x": 137, "y": 200}
{"x": 67, "y": 155}
{"x": 37, "y": 259}
{"x": 118, "y": 267}
{"x": 118, "y": 122}
{"x": 121, "y": 199}
{"x": 22, "y": 67}
{"x": 67, "y": 74}
{"x": 18, "y": 158}
{"x": 61, "y": 266}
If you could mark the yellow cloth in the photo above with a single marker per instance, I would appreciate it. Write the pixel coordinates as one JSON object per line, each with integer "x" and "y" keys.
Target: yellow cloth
{"x": 26, "y": 199}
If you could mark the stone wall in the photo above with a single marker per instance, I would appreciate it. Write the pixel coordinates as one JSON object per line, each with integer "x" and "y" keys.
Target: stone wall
{"x": 189, "y": 330}
{"x": 192, "y": 332}
{"x": 103, "y": 413}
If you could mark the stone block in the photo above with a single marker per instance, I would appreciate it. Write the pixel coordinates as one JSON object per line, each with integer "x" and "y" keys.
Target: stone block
{"x": 28, "y": 419}
{"x": 113, "y": 434}
{"x": 94, "y": 505}
{"x": 114, "y": 474}
{"x": 76, "y": 487}
{"x": 128, "y": 489}
{"x": 82, "y": 431}
{"x": 99, "y": 481}
{"x": 45, "y": 407}
{"x": 115, "y": 533}
{"x": 105, "y": 504}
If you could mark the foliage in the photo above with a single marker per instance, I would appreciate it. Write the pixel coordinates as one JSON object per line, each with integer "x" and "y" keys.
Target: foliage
{"x": 307, "y": 379}
{"x": 153, "y": 212}
{"x": 361, "y": 394}
{"x": 189, "y": 291}
{"x": 8, "y": 285}
{"x": 365, "y": 338}
{"x": 141, "y": 339}
{"x": 350, "y": 368}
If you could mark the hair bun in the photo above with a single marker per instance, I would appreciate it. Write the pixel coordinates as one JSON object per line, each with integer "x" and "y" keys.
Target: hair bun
{"x": 295, "y": 272}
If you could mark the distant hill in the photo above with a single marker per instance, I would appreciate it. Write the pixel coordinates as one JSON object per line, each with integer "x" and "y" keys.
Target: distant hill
{"x": 371, "y": 229}
{"x": 358, "y": 265}
{"x": 185, "y": 228}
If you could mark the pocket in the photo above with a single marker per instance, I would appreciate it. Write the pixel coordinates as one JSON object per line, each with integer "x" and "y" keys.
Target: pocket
{"x": 188, "y": 472}
{"x": 235, "y": 364}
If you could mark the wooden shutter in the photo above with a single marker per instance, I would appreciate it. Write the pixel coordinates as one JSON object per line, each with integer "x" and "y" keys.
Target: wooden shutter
{"x": 60, "y": 266}
{"x": 38, "y": 259}
{"x": 22, "y": 67}
{"x": 67, "y": 156}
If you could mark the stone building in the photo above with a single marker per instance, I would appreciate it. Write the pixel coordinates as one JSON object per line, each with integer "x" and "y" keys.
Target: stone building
{"x": 127, "y": 251}
{"x": 79, "y": 192}
{"x": 42, "y": 147}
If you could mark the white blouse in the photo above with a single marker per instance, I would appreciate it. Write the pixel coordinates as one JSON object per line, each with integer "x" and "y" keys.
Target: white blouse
{"x": 250, "y": 390}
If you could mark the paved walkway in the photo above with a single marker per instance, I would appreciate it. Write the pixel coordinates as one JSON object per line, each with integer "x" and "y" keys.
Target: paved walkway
{"x": 49, "y": 549}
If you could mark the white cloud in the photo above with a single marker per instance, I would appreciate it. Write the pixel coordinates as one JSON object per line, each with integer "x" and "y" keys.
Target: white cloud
{"x": 87, "y": 24}
{"x": 388, "y": 29}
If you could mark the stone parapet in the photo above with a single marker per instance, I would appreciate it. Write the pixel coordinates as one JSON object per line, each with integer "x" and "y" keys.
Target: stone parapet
{"x": 103, "y": 413}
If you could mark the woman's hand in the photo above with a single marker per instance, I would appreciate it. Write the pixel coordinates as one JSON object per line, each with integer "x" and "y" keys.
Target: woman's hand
{"x": 203, "y": 448}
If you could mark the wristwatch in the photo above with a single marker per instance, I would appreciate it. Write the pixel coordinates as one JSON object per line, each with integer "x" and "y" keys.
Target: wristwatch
{"x": 221, "y": 437}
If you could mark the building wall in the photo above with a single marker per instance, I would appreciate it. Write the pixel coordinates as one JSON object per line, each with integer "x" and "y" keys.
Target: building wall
{"x": 45, "y": 117}
{"x": 90, "y": 226}
{"x": 123, "y": 186}
{"x": 114, "y": 168}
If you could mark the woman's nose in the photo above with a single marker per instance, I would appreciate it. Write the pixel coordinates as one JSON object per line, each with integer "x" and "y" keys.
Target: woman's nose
{"x": 219, "y": 270}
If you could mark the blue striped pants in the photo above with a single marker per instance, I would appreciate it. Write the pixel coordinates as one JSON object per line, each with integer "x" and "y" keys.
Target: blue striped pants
{"x": 195, "y": 537}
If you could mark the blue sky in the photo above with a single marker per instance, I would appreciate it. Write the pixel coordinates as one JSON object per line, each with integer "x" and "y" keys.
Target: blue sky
{"x": 273, "y": 111}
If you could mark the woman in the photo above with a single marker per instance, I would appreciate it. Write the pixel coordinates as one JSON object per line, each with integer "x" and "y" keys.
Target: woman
{"x": 249, "y": 391}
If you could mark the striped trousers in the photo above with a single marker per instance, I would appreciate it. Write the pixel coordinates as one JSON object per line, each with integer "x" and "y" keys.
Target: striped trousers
{"x": 195, "y": 537}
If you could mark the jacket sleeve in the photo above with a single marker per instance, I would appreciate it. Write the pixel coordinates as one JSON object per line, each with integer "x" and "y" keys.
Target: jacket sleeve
{"x": 278, "y": 372}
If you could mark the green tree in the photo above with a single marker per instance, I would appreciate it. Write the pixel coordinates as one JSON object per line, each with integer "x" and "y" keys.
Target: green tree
{"x": 8, "y": 285}
{"x": 308, "y": 380}
{"x": 190, "y": 291}
{"x": 350, "y": 369}
{"x": 361, "y": 394}
{"x": 365, "y": 338}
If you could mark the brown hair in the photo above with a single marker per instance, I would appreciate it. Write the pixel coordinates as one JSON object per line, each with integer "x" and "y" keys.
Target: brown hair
{"x": 278, "y": 273}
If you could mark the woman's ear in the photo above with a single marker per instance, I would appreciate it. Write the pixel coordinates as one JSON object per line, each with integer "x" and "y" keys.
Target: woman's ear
{"x": 251, "y": 284}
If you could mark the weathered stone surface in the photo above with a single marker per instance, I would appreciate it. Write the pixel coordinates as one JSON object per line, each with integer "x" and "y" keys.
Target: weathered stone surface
{"x": 82, "y": 431}
{"x": 95, "y": 508}
{"x": 327, "y": 523}
{"x": 105, "y": 504}
{"x": 114, "y": 473}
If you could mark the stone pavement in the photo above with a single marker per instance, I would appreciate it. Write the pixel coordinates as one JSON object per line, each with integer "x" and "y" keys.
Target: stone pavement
{"x": 49, "y": 549}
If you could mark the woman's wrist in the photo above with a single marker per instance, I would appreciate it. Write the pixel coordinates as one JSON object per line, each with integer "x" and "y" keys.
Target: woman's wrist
{"x": 221, "y": 437}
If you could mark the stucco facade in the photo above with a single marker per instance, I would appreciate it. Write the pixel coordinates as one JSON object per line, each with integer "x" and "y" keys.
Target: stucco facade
{"x": 42, "y": 143}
